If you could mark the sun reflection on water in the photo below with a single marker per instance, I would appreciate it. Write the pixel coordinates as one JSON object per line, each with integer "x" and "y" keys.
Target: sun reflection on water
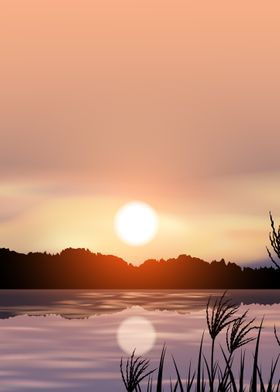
{"x": 136, "y": 333}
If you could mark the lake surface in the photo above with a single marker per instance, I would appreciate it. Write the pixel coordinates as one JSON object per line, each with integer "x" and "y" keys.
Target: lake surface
{"x": 68, "y": 340}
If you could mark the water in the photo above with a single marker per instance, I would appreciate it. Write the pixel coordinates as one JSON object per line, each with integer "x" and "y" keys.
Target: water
{"x": 73, "y": 340}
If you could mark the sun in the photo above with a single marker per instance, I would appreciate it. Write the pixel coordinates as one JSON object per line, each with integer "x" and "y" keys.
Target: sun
{"x": 136, "y": 223}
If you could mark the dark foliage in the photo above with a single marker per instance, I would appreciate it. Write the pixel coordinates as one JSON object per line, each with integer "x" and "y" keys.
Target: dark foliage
{"x": 82, "y": 269}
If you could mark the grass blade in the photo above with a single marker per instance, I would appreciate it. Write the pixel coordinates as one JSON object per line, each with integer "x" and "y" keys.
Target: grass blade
{"x": 178, "y": 375}
{"x": 160, "y": 370}
{"x": 253, "y": 386}
{"x": 198, "y": 378}
{"x": 228, "y": 364}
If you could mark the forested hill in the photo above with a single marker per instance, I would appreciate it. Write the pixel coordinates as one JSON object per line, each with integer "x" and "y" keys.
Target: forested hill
{"x": 82, "y": 269}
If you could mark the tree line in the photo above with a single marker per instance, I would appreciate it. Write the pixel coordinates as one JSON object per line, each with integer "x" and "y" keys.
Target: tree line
{"x": 82, "y": 269}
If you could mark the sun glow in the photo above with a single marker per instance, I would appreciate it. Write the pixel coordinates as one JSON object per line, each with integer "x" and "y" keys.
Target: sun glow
{"x": 136, "y": 223}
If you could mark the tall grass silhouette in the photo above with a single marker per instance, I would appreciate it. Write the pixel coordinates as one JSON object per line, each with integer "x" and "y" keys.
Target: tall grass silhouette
{"x": 210, "y": 374}
{"x": 134, "y": 372}
{"x": 218, "y": 318}
{"x": 274, "y": 238}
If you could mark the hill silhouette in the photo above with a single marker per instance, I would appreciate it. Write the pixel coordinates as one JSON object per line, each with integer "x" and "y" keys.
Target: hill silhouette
{"x": 82, "y": 269}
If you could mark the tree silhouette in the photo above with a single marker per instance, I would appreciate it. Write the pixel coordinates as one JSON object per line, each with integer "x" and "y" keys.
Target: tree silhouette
{"x": 274, "y": 237}
{"x": 82, "y": 269}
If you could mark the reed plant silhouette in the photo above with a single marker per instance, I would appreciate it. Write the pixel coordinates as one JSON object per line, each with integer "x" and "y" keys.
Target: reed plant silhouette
{"x": 218, "y": 318}
{"x": 237, "y": 333}
{"x": 236, "y": 337}
{"x": 134, "y": 371}
{"x": 274, "y": 237}
{"x": 210, "y": 375}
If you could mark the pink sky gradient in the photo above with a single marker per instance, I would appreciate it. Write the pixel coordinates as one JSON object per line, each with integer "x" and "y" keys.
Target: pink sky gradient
{"x": 175, "y": 103}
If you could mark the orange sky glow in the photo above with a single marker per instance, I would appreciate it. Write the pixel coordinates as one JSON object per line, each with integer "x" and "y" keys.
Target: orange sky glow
{"x": 174, "y": 103}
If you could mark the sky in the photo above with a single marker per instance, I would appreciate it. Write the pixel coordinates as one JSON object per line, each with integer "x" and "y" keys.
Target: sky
{"x": 174, "y": 103}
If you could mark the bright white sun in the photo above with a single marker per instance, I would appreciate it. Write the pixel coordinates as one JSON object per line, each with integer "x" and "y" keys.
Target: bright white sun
{"x": 136, "y": 223}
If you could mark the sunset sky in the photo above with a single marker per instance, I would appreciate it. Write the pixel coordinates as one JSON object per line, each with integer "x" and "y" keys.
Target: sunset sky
{"x": 174, "y": 103}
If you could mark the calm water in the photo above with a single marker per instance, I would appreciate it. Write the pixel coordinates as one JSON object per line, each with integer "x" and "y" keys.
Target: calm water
{"x": 73, "y": 340}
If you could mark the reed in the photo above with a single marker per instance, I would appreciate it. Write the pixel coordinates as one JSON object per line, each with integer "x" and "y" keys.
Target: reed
{"x": 134, "y": 371}
{"x": 218, "y": 318}
{"x": 209, "y": 374}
